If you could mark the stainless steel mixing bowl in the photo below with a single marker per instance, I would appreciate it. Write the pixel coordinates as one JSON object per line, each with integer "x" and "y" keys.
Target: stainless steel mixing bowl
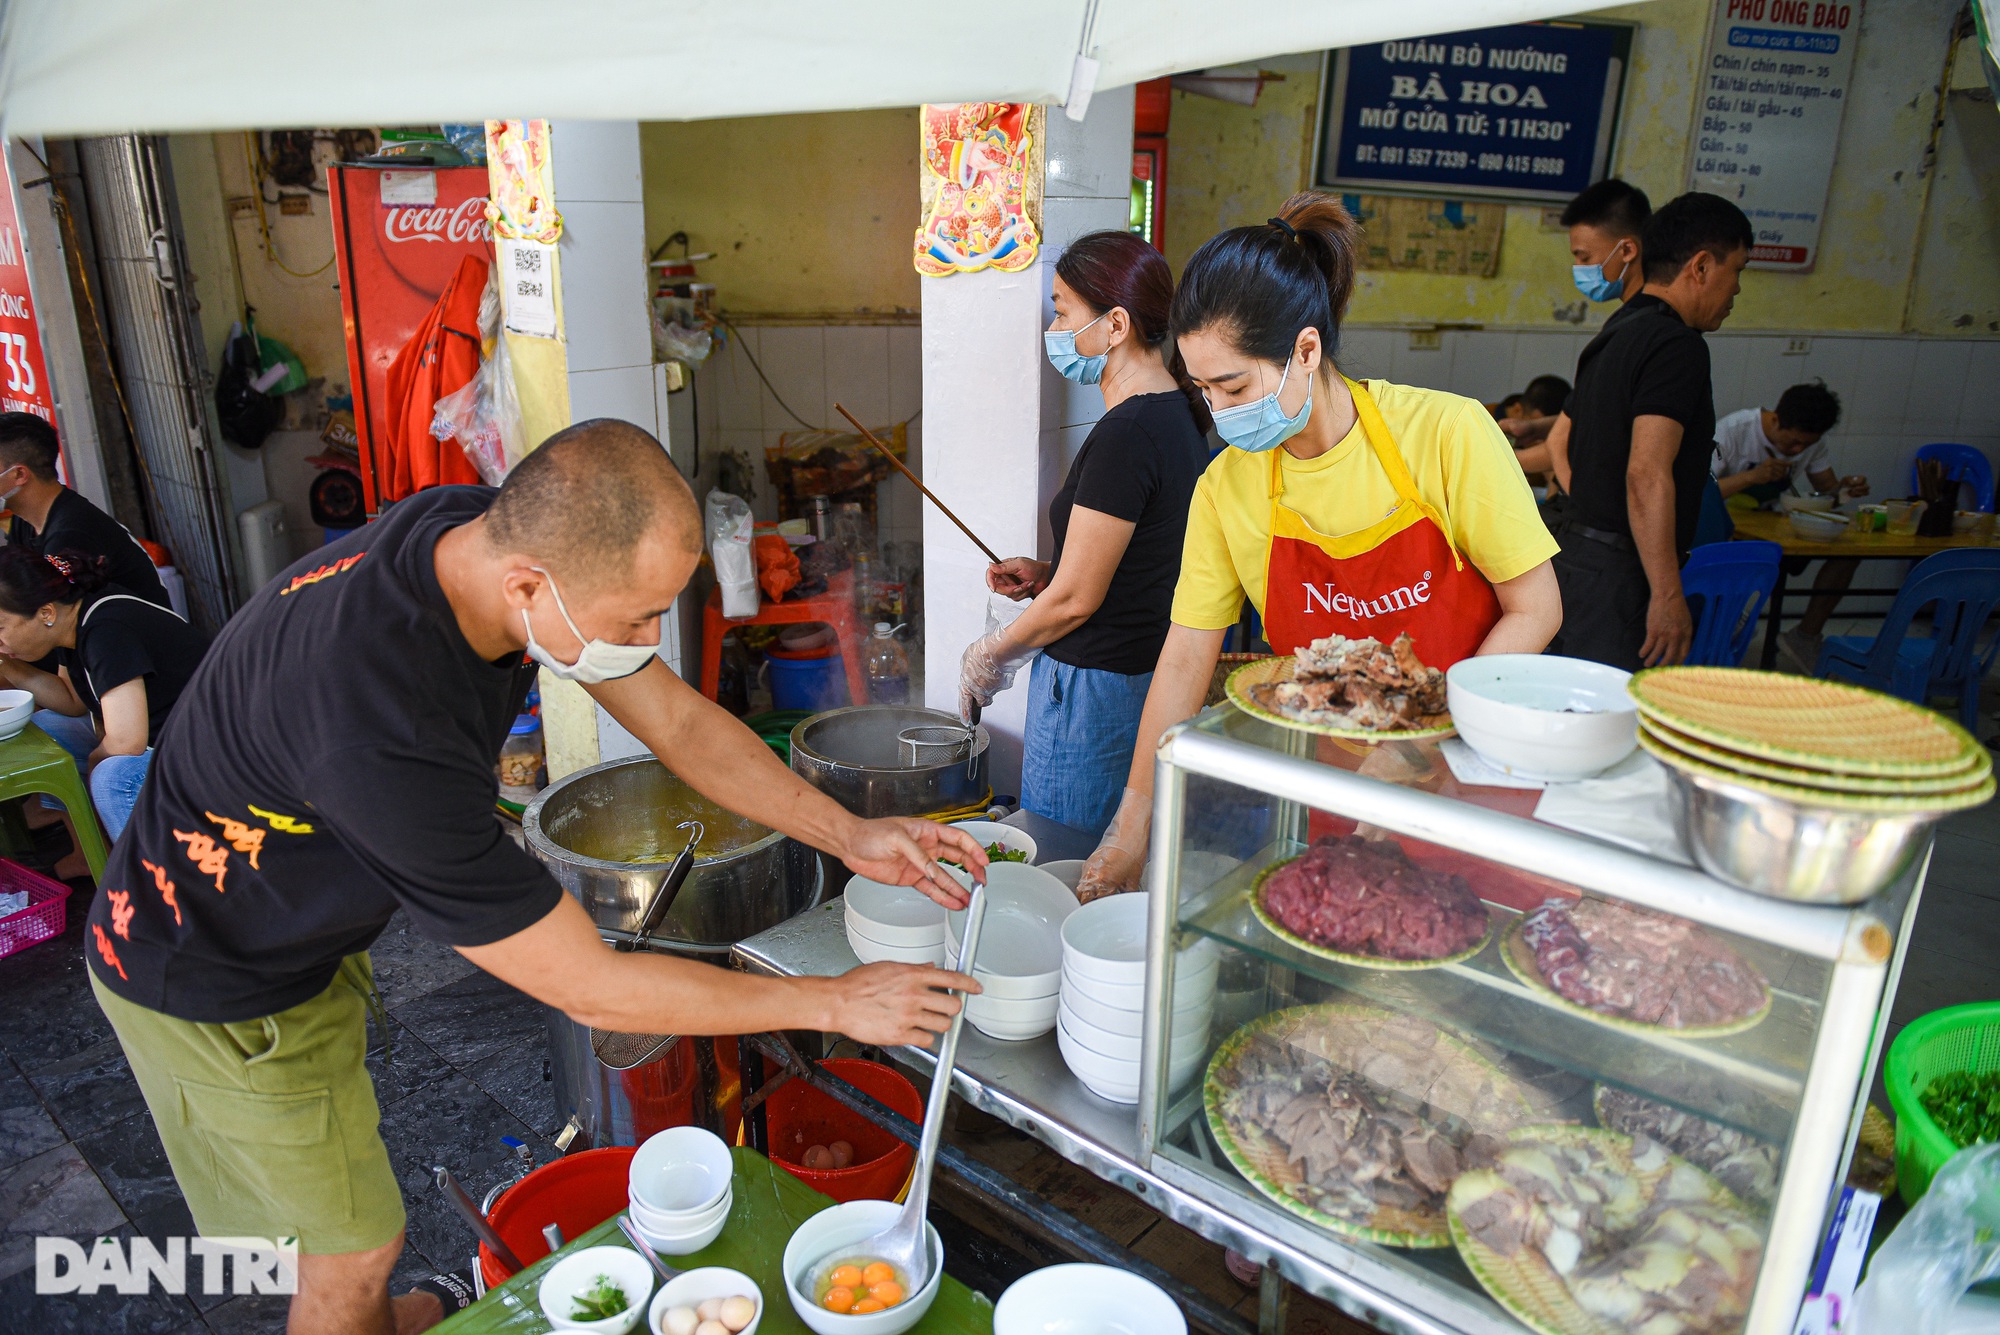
{"x": 1771, "y": 846}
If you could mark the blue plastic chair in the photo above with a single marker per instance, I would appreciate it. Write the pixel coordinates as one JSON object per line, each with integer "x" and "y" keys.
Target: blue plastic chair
{"x": 1964, "y": 464}
{"x": 1961, "y": 588}
{"x": 1733, "y": 580}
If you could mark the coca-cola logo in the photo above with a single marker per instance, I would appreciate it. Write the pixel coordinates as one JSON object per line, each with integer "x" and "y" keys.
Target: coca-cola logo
{"x": 466, "y": 222}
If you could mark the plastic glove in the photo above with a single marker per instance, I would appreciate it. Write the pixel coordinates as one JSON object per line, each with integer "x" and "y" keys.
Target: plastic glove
{"x": 987, "y": 669}
{"x": 1121, "y": 855}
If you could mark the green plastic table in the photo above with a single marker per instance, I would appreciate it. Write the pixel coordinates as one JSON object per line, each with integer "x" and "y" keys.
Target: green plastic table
{"x": 770, "y": 1203}
{"x": 32, "y": 763}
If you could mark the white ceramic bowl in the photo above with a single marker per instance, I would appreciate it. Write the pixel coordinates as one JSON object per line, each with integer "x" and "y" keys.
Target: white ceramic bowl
{"x": 17, "y": 709}
{"x": 691, "y": 1288}
{"x": 1130, "y": 1020}
{"x": 1819, "y": 526}
{"x": 681, "y": 1171}
{"x": 895, "y": 915}
{"x": 989, "y": 832}
{"x": 1012, "y": 1018}
{"x": 1079, "y": 1299}
{"x": 1069, "y": 871}
{"x": 1195, "y": 974}
{"x": 1020, "y": 943}
{"x": 1189, "y": 1038}
{"x": 826, "y": 1236}
{"x": 1814, "y": 504}
{"x": 579, "y": 1270}
{"x": 1115, "y": 1079}
{"x": 1540, "y": 716}
{"x": 681, "y": 1239}
{"x": 1106, "y": 939}
{"x": 870, "y": 951}
{"x": 674, "y": 1225}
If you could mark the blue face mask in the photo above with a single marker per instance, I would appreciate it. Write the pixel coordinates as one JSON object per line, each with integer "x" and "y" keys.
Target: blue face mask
{"x": 1261, "y": 424}
{"x": 1069, "y": 363}
{"x": 1590, "y": 281}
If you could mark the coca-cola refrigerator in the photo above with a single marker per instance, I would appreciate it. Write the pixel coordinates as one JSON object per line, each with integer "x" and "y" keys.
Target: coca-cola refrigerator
{"x": 399, "y": 234}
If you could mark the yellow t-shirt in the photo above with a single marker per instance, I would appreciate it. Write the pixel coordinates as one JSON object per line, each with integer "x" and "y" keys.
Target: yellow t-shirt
{"x": 1463, "y": 466}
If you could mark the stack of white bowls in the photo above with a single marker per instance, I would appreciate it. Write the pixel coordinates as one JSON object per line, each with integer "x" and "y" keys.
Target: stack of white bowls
{"x": 1020, "y": 951}
{"x": 893, "y": 922}
{"x": 682, "y": 1185}
{"x": 1101, "y": 1012}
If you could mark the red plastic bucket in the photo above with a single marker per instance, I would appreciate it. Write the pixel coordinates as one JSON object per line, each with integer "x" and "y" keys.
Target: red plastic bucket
{"x": 576, "y": 1194}
{"x": 801, "y": 1116}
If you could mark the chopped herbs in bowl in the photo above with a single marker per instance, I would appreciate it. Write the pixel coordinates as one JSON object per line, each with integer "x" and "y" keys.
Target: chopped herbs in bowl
{"x": 1966, "y": 1107}
{"x": 600, "y": 1302}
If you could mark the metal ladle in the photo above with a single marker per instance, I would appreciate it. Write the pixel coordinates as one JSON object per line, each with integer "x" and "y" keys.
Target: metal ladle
{"x": 903, "y": 1244}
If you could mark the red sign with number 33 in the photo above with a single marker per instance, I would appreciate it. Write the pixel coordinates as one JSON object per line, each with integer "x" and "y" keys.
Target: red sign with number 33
{"x": 24, "y": 374}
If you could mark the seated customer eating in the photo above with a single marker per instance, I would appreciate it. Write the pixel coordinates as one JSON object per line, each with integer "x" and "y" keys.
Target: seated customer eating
{"x": 120, "y": 659}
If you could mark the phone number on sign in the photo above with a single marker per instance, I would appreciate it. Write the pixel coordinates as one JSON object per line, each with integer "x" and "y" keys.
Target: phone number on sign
{"x": 1392, "y": 155}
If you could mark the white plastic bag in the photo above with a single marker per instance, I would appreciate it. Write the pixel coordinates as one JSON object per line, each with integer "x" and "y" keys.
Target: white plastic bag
{"x": 729, "y": 527}
{"x": 1944, "y": 1246}
{"x": 484, "y": 414}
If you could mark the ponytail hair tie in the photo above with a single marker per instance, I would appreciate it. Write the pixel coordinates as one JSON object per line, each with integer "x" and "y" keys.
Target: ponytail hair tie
{"x": 62, "y": 568}
{"x": 1284, "y": 227}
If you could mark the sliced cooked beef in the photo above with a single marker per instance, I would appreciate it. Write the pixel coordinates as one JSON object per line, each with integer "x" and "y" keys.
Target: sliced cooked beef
{"x": 1338, "y": 682}
{"x": 1366, "y": 897}
{"x": 1640, "y": 965}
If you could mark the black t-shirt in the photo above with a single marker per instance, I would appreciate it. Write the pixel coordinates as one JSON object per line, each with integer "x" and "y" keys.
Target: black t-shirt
{"x": 331, "y": 761}
{"x": 120, "y": 637}
{"x": 1140, "y": 463}
{"x": 1645, "y": 362}
{"x": 74, "y": 524}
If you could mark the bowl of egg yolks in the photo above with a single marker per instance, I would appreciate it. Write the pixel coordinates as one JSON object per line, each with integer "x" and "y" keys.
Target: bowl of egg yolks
{"x": 836, "y": 1293}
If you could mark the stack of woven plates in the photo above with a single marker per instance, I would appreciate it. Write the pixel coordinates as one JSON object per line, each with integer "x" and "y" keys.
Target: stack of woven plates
{"x": 1802, "y": 788}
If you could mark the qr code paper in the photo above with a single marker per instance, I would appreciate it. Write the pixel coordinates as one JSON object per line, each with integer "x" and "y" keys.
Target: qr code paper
{"x": 527, "y": 260}
{"x": 531, "y": 289}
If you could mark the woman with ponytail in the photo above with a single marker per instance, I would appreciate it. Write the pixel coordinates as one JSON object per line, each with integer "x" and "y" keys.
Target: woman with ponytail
{"x": 1100, "y": 607}
{"x": 1340, "y": 508}
{"x": 121, "y": 662}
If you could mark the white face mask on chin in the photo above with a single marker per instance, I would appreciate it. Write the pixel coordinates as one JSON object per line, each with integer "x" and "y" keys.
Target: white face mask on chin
{"x": 600, "y": 659}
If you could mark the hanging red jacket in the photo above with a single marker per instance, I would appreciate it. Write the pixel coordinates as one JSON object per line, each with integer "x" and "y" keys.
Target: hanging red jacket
{"x": 441, "y": 356}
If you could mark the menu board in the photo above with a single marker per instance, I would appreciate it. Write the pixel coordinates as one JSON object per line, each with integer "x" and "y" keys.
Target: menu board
{"x": 1774, "y": 83}
{"x": 1525, "y": 111}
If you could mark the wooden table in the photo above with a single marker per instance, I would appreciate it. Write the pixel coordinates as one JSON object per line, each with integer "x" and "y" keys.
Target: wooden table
{"x": 1772, "y": 526}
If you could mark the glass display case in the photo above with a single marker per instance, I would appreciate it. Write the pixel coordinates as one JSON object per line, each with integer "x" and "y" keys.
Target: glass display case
{"x": 1464, "y": 1071}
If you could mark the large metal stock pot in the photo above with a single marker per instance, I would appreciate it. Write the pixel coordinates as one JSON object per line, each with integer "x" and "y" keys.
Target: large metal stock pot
{"x": 607, "y": 835}
{"x": 862, "y": 759}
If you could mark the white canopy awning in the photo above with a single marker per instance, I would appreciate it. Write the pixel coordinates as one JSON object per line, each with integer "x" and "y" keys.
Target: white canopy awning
{"x": 111, "y": 66}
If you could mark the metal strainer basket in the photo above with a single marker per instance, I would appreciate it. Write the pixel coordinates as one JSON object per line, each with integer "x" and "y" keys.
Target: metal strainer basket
{"x": 934, "y": 743}
{"x": 622, "y": 1052}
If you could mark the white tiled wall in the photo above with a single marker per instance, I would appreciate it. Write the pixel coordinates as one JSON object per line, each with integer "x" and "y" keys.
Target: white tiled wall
{"x": 876, "y": 371}
{"x": 1896, "y": 393}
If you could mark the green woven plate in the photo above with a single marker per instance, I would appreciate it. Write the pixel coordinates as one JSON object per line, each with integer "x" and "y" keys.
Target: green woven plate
{"x": 1263, "y": 1160}
{"x": 1267, "y": 670}
{"x": 1526, "y": 1284}
{"x": 1977, "y": 795}
{"x": 1291, "y": 938}
{"x": 1817, "y": 725}
{"x": 1738, "y": 763}
{"x": 1520, "y": 959}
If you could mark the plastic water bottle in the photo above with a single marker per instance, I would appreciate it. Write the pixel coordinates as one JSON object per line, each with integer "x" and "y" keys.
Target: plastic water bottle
{"x": 888, "y": 667}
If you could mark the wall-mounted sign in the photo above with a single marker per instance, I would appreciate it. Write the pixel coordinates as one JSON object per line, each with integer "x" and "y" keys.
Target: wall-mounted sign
{"x": 1526, "y": 111}
{"x": 1767, "y": 122}
{"x": 24, "y": 372}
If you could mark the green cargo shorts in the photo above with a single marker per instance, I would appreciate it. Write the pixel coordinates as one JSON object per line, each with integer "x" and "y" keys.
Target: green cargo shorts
{"x": 271, "y": 1125}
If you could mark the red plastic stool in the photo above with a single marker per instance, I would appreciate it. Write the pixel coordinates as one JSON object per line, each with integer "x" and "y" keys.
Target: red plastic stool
{"x": 835, "y": 607}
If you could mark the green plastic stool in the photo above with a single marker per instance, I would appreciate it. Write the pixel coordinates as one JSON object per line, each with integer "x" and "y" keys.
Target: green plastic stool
{"x": 32, "y": 763}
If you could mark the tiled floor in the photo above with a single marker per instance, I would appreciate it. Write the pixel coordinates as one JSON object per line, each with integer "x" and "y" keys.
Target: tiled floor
{"x": 79, "y": 1157}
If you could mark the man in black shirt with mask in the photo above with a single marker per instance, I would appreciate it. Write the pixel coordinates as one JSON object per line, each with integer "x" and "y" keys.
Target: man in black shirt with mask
{"x": 1639, "y": 433}
{"x": 49, "y": 517}
{"x": 331, "y": 762}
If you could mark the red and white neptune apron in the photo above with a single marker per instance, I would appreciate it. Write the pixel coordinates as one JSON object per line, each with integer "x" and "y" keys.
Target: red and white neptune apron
{"x": 1399, "y": 574}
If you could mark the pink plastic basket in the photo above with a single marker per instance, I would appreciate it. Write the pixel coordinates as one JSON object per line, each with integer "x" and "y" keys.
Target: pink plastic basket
{"x": 44, "y": 916}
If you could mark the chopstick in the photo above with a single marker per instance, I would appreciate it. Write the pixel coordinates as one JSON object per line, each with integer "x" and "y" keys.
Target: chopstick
{"x": 871, "y": 438}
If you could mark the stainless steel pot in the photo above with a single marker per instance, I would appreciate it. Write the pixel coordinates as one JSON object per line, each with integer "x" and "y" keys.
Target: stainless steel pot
{"x": 1762, "y": 843}
{"x": 859, "y": 757}
{"x": 608, "y": 835}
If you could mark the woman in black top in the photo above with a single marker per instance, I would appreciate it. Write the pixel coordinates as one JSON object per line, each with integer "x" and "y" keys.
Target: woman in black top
{"x": 123, "y": 662}
{"x": 1100, "y": 607}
